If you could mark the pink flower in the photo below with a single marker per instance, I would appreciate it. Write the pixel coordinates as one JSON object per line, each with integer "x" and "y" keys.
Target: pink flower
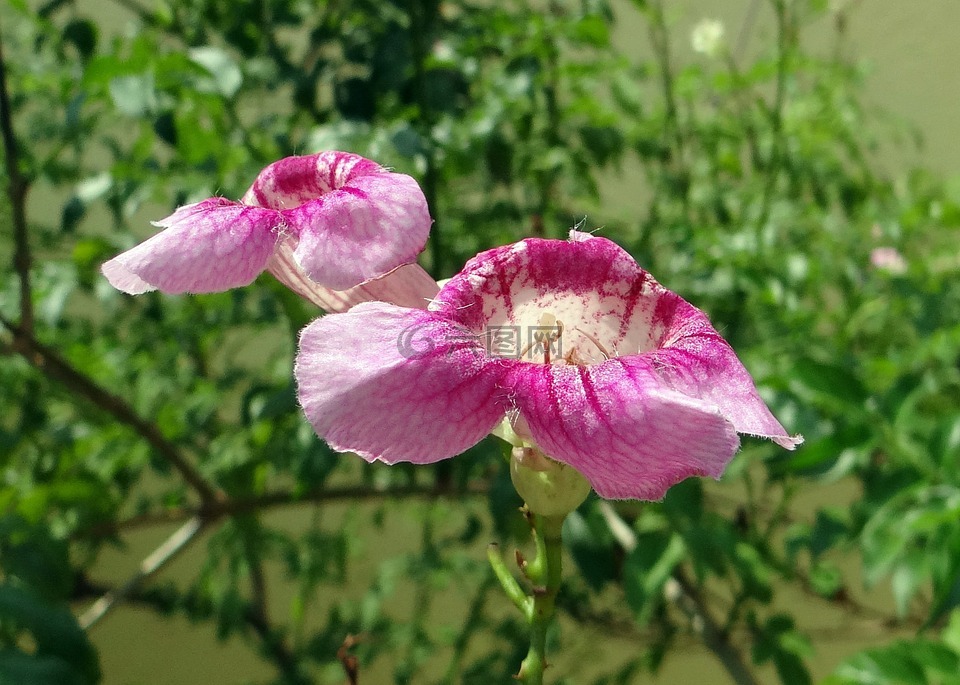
{"x": 888, "y": 259}
{"x": 612, "y": 374}
{"x": 321, "y": 223}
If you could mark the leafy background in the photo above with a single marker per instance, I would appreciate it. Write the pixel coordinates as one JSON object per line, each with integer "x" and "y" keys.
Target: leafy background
{"x": 159, "y": 481}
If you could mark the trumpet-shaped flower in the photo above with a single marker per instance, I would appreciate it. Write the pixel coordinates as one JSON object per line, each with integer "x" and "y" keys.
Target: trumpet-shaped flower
{"x": 325, "y": 222}
{"x": 596, "y": 364}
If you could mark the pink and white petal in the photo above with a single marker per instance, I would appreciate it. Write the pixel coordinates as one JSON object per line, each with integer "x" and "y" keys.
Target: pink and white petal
{"x": 406, "y": 286}
{"x": 292, "y": 181}
{"x": 396, "y": 384}
{"x": 362, "y": 230}
{"x": 210, "y": 246}
{"x": 695, "y": 359}
{"x": 603, "y": 299}
{"x": 621, "y": 427}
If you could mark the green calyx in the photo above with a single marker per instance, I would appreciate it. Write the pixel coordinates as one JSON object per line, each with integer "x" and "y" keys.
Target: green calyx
{"x": 548, "y": 487}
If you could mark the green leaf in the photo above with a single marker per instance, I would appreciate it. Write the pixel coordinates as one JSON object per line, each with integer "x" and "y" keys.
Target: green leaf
{"x": 17, "y": 668}
{"x": 31, "y": 555}
{"x": 82, "y": 33}
{"x": 828, "y": 528}
{"x": 829, "y": 382}
{"x": 647, "y": 569}
{"x": 133, "y": 95}
{"x": 882, "y": 666}
{"x": 589, "y": 542}
{"x": 591, "y": 30}
{"x": 826, "y": 579}
{"x": 53, "y": 628}
{"x": 226, "y": 75}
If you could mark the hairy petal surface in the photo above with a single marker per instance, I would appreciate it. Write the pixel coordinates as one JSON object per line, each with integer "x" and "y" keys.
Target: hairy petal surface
{"x": 353, "y": 219}
{"x": 591, "y": 284}
{"x": 207, "y": 247}
{"x": 693, "y": 358}
{"x": 396, "y": 384}
{"x": 620, "y": 426}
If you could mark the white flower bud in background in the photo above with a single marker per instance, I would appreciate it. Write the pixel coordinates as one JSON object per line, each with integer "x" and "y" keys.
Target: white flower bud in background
{"x": 707, "y": 37}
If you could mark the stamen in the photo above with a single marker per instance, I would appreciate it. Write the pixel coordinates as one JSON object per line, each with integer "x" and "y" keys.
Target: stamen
{"x": 603, "y": 350}
{"x": 547, "y": 320}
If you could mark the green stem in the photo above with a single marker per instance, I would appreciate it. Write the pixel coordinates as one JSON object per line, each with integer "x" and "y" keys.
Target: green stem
{"x": 507, "y": 581}
{"x": 545, "y": 573}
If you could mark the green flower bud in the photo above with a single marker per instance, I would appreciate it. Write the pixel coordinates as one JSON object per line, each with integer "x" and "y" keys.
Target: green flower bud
{"x": 548, "y": 487}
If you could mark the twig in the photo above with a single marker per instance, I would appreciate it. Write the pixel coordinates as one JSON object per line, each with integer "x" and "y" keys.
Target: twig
{"x": 240, "y": 505}
{"x": 784, "y": 37}
{"x": 153, "y": 563}
{"x": 142, "y": 13}
{"x": 422, "y": 20}
{"x": 17, "y": 192}
{"x": 350, "y": 663}
{"x": 660, "y": 39}
{"x": 689, "y": 600}
{"x": 743, "y": 36}
{"x": 53, "y": 365}
{"x": 471, "y": 623}
{"x": 85, "y": 588}
{"x": 258, "y": 616}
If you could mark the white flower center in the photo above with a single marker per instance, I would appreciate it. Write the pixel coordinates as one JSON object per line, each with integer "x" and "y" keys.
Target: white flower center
{"x": 568, "y": 328}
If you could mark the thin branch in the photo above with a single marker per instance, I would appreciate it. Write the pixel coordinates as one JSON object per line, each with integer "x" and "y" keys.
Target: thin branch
{"x": 17, "y": 192}
{"x": 285, "y": 660}
{"x": 259, "y": 617}
{"x": 50, "y": 363}
{"x": 746, "y": 29}
{"x": 84, "y": 588}
{"x": 472, "y": 622}
{"x": 784, "y": 47}
{"x": 234, "y": 506}
{"x": 162, "y": 555}
{"x": 691, "y": 602}
{"x": 688, "y": 599}
{"x": 422, "y": 20}
{"x": 660, "y": 40}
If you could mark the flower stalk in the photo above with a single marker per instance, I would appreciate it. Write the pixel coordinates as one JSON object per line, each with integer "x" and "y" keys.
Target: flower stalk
{"x": 539, "y": 607}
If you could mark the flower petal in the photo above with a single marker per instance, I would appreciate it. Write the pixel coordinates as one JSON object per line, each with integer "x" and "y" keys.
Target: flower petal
{"x": 406, "y": 286}
{"x": 695, "y": 359}
{"x": 206, "y": 247}
{"x": 620, "y": 426}
{"x": 609, "y": 307}
{"x": 396, "y": 384}
{"x": 292, "y": 181}
{"x": 591, "y": 287}
{"x": 361, "y": 231}
{"x": 354, "y": 219}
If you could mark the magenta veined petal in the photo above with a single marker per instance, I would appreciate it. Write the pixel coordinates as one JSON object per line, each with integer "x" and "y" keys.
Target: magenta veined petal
{"x": 695, "y": 360}
{"x": 343, "y": 220}
{"x": 206, "y": 247}
{"x": 342, "y": 236}
{"x": 395, "y": 384}
{"x": 610, "y": 307}
{"x": 353, "y": 220}
{"x": 621, "y": 427}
